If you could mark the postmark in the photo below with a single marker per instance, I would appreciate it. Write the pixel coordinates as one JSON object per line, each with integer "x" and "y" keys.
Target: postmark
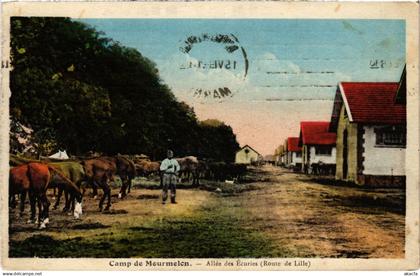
{"x": 215, "y": 56}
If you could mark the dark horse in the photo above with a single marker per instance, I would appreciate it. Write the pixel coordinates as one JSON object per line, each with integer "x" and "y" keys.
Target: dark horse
{"x": 73, "y": 171}
{"x": 98, "y": 173}
{"x": 125, "y": 169}
{"x": 34, "y": 178}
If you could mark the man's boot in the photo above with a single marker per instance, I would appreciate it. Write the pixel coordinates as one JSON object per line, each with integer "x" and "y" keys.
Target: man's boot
{"x": 173, "y": 200}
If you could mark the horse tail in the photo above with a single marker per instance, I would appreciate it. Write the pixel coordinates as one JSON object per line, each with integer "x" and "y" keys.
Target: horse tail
{"x": 66, "y": 179}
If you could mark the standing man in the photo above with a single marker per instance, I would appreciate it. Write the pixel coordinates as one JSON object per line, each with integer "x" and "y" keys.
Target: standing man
{"x": 169, "y": 168}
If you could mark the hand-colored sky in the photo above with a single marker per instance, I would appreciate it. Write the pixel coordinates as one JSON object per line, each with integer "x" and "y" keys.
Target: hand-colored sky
{"x": 294, "y": 66}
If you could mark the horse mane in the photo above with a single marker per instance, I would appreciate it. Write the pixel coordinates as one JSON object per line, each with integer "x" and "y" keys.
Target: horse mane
{"x": 69, "y": 182}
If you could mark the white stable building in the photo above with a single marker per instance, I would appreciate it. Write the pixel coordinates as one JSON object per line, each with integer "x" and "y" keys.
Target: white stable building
{"x": 370, "y": 122}
{"x": 247, "y": 155}
{"x": 318, "y": 146}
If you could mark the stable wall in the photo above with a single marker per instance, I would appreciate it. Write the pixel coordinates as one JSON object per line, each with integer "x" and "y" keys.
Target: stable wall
{"x": 380, "y": 160}
{"x": 344, "y": 124}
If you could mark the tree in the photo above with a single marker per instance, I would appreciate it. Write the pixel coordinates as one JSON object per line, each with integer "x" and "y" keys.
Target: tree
{"x": 89, "y": 93}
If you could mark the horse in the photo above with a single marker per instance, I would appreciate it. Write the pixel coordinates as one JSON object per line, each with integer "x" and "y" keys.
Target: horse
{"x": 126, "y": 170}
{"x": 18, "y": 184}
{"x": 220, "y": 171}
{"x": 147, "y": 167}
{"x": 73, "y": 171}
{"x": 34, "y": 178}
{"x": 98, "y": 173}
{"x": 189, "y": 166}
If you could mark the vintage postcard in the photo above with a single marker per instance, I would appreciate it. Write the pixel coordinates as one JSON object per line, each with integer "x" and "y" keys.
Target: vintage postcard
{"x": 210, "y": 136}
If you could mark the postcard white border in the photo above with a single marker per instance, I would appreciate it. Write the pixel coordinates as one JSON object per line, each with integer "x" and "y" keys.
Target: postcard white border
{"x": 276, "y": 10}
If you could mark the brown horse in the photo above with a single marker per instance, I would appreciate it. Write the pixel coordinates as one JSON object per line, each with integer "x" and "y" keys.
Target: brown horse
{"x": 98, "y": 173}
{"x": 34, "y": 178}
{"x": 125, "y": 169}
{"x": 147, "y": 167}
{"x": 18, "y": 184}
{"x": 189, "y": 166}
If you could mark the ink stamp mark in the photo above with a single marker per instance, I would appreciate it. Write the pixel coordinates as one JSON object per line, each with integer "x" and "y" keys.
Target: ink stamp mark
{"x": 219, "y": 58}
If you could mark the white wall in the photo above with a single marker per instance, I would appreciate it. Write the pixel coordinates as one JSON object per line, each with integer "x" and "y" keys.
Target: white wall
{"x": 296, "y": 159}
{"x": 243, "y": 158}
{"x": 326, "y": 159}
{"x": 381, "y": 160}
{"x": 289, "y": 158}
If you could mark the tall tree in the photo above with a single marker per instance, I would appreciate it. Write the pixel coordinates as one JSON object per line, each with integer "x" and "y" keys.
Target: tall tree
{"x": 87, "y": 92}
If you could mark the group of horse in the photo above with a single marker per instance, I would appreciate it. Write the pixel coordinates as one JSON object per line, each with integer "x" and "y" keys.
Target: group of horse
{"x": 34, "y": 178}
{"x": 192, "y": 169}
{"x": 320, "y": 168}
{"x": 73, "y": 177}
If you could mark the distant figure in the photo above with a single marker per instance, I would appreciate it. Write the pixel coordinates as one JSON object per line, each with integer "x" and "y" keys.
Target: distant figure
{"x": 169, "y": 169}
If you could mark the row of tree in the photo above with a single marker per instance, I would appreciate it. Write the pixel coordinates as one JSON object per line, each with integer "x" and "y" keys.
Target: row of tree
{"x": 81, "y": 91}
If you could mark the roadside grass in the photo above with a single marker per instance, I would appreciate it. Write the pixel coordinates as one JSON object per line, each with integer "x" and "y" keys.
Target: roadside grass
{"x": 212, "y": 232}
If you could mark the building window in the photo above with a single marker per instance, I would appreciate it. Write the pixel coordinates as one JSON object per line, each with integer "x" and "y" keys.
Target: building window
{"x": 298, "y": 154}
{"x": 323, "y": 150}
{"x": 391, "y": 136}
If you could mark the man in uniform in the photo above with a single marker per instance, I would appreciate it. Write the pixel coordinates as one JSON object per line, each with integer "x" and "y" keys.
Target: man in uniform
{"x": 169, "y": 169}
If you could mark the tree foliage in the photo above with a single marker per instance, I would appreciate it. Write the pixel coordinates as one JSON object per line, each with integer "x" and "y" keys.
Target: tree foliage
{"x": 92, "y": 94}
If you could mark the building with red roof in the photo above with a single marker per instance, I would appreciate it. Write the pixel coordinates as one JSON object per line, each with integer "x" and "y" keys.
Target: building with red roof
{"x": 318, "y": 146}
{"x": 370, "y": 121}
{"x": 294, "y": 153}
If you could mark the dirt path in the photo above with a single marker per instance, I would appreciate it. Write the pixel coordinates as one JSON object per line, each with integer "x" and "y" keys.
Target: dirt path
{"x": 328, "y": 221}
{"x": 282, "y": 215}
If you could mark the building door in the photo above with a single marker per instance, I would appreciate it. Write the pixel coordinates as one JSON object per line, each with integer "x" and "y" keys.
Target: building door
{"x": 345, "y": 154}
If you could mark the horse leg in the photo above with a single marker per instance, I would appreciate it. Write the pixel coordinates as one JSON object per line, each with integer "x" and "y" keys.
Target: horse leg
{"x": 12, "y": 201}
{"x": 40, "y": 213}
{"x": 73, "y": 202}
{"x": 94, "y": 188}
{"x": 46, "y": 208}
{"x": 44, "y": 214}
{"x": 105, "y": 187}
{"x": 101, "y": 202}
{"x": 107, "y": 192}
{"x": 32, "y": 200}
{"x": 193, "y": 179}
{"x": 22, "y": 203}
{"x": 129, "y": 184}
{"x": 57, "y": 201}
{"x": 67, "y": 204}
{"x": 124, "y": 185}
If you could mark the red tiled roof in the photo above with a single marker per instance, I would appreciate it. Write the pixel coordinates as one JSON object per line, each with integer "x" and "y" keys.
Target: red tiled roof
{"x": 316, "y": 133}
{"x": 293, "y": 144}
{"x": 373, "y": 102}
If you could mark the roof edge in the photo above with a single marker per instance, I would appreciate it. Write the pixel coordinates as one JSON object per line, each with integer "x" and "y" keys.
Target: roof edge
{"x": 346, "y": 104}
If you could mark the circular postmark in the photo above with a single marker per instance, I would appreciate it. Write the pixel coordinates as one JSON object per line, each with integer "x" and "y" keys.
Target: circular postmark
{"x": 220, "y": 63}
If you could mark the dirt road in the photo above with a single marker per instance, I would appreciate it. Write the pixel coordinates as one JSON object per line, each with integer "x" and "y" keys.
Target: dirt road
{"x": 279, "y": 214}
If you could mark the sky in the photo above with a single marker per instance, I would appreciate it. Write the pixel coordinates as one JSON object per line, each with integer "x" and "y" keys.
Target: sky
{"x": 263, "y": 76}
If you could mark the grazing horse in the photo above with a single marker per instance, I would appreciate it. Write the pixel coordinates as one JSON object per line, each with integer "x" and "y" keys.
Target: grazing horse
{"x": 126, "y": 170}
{"x": 18, "y": 184}
{"x": 35, "y": 179}
{"x": 221, "y": 171}
{"x": 189, "y": 166}
{"x": 98, "y": 173}
{"x": 73, "y": 171}
{"x": 147, "y": 168}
